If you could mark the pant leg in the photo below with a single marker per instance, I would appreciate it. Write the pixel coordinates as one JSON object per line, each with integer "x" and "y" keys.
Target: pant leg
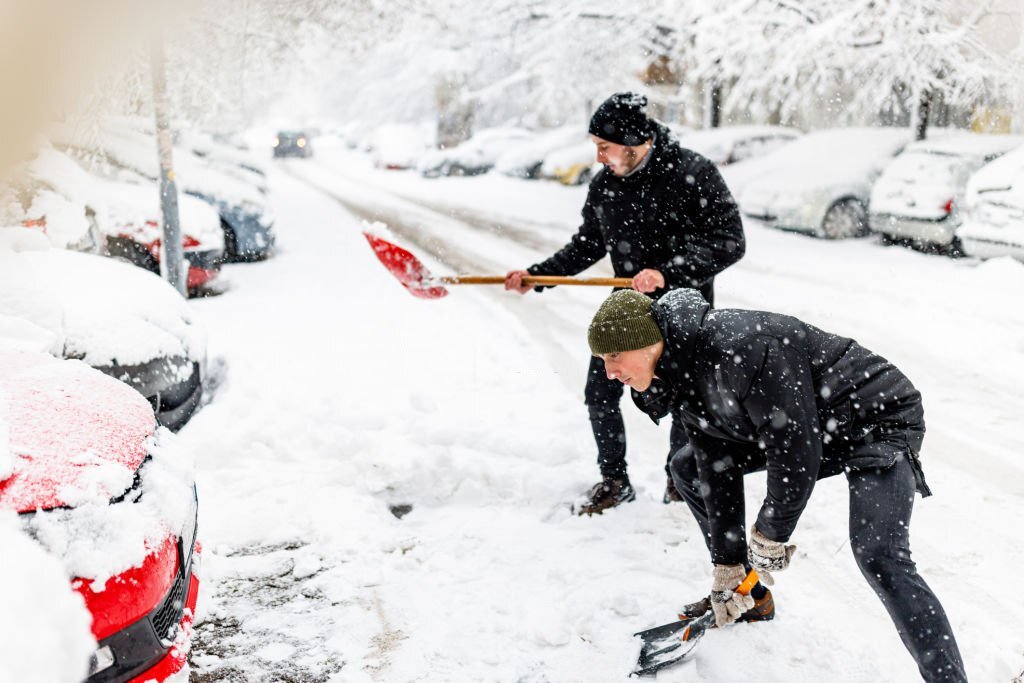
{"x": 677, "y": 440}
{"x": 881, "y": 502}
{"x": 683, "y": 469}
{"x": 602, "y": 396}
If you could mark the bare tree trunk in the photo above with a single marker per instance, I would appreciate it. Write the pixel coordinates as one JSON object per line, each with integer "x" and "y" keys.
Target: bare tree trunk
{"x": 922, "y": 115}
{"x": 713, "y": 104}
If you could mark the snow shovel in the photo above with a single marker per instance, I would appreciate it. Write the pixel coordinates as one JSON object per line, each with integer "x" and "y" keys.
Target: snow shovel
{"x": 415, "y": 277}
{"x": 665, "y": 645}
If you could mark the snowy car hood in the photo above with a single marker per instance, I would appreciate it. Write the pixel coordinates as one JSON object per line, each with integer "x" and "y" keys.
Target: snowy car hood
{"x": 73, "y": 434}
{"x": 97, "y": 309}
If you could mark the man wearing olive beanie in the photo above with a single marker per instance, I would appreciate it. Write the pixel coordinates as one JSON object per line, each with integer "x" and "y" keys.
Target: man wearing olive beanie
{"x": 760, "y": 391}
{"x": 666, "y": 220}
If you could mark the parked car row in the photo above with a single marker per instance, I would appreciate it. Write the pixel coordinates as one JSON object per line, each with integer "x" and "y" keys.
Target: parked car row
{"x": 955, "y": 193}
{"x": 100, "y": 361}
{"x": 123, "y": 149}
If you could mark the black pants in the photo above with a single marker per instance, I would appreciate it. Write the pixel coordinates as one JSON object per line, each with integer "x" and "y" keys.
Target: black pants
{"x": 881, "y": 502}
{"x": 603, "y": 396}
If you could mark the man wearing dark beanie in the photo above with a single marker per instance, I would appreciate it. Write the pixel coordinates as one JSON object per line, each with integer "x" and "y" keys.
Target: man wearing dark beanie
{"x": 665, "y": 218}
{"x": 761, "y": 391}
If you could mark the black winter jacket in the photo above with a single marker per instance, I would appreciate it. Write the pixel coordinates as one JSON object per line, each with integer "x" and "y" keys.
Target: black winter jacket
{"x": 762, "y": 390}
{"x": 674, "y": 214}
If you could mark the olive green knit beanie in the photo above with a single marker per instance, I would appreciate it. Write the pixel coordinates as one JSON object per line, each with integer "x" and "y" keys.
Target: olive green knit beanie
{"x": 623, "y": 323}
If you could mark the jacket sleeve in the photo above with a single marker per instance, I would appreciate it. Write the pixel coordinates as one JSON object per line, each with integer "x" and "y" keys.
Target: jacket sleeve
{"x": 711, "y": 231}
{"x": 584, "y": 249}
{"x": 780, "y": 403}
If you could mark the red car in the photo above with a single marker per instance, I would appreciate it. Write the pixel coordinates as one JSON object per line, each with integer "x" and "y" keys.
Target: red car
{"x": 97, "y": 486}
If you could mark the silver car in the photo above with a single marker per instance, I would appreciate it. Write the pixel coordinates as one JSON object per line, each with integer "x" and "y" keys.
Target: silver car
{"x": 821, "y": 183}
{"x": 994, "y": 218}
{"x": 919, "y": 196}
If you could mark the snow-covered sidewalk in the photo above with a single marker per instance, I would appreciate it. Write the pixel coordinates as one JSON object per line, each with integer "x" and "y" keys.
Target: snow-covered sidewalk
{"x": 339, "y": 397}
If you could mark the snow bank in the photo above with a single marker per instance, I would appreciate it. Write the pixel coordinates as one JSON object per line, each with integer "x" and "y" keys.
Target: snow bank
{"x": 44, "y": 626}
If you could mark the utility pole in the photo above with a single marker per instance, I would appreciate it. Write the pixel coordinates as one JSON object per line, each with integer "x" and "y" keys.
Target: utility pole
{"x": 173, "y": 257}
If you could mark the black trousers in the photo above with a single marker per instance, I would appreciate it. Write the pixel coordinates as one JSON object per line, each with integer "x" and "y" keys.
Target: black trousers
{"x": 603, "y": 396}
{"x": 881, "y": 502}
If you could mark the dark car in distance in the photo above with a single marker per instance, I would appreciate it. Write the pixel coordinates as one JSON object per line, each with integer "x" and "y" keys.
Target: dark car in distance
{"x": 292, "y": 144}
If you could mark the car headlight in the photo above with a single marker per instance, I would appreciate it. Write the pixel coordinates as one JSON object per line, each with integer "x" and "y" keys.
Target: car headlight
{"x": 189, "y": 530}
{"x": 102, "y": 659}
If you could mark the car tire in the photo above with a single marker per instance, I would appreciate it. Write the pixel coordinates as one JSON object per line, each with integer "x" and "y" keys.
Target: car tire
{"x": 230, "y": 242}
{"x": 585, "y": 176}
{"x": 846, "y": 218}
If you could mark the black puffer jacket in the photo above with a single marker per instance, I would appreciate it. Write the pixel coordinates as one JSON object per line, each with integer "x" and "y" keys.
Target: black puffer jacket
{"x": 762, "y": 390}
{"x": 674, "y": 214}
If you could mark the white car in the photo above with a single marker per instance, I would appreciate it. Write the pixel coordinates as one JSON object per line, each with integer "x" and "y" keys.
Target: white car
{"x": 733, "y": 144}
{"x": 117, "y": 318}
{"x": 994, "y": 221}
{"x": 919, "y": 196}
{"x": 398, "y": 146}
{"x": 476, "y": 155}
{"x": 821, "y": 183}
{"x": 525, "y": 160}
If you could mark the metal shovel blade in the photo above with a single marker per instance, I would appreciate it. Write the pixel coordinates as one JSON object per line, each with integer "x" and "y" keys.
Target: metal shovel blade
{"x": 670, "y": 643}
{"x": 406, "y": 268}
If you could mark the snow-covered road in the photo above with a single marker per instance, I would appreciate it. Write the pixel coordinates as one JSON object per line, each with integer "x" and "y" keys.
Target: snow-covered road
{"x": 337, "y": 396}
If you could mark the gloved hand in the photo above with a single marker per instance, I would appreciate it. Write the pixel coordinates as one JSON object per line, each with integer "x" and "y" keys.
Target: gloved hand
{"x": 727, "y": 604}
{"x": 766, "y": 555}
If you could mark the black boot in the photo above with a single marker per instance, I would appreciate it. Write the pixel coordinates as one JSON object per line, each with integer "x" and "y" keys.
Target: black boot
{"x": 671, "y": 494}
{"x": 607, "y": 493}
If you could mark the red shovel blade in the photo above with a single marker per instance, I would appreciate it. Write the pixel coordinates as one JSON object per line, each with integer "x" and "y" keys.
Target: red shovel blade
{"x": 413, "y": 275}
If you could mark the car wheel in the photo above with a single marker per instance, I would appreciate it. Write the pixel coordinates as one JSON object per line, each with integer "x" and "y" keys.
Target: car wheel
{"x": 230, "y": 241}
{"x": 585, "y": 176}
{"x": 845, "y": 218}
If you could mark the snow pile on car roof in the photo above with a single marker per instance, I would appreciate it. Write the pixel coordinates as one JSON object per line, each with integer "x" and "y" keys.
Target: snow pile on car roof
{"x": 44, "y": 626}
{"x": 99, "y": 310}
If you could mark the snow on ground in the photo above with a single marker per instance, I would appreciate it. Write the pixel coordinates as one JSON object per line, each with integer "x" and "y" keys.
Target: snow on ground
{"x": 337, "y": 398}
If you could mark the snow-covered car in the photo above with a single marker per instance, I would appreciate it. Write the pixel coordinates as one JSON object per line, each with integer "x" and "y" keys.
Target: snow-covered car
{"x": 35, "y": 204}
{"x": 920, "y": 194}
{"x": 119, "y": 319}
{"x": 230, "y": 160}
{"x": 994, "y": 209}
{"x": 476, "y": 155}
{"x": 398, "y": 146}
{"x": 221, "y": 150}
{"x": 732, "y": 144}
{"x": 128, "y": 215}
{"x": 120, "y": 151}
{"x": 821, "y": 182}
{"x": 292, "y": 143}
{"x": 113, "y": 500}
{"x": 525, "y": 161}
{"x": 575, "y": 164}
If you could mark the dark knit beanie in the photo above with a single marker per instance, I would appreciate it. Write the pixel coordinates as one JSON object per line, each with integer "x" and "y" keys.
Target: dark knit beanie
{"x": 621, "y": 119}
{"x": 623, "y": 323}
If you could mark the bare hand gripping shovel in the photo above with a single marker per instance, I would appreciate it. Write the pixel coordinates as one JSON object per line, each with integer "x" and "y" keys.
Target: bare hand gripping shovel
{"x": 415, "y": 277}
{"x": 675, "y": 642}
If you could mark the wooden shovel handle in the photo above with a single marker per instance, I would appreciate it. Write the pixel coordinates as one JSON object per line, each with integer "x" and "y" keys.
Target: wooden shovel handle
{"x": 546, "y": 280}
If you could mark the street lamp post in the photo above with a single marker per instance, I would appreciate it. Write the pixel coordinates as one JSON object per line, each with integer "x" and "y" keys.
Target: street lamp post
{"x": 172, "y": 261}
